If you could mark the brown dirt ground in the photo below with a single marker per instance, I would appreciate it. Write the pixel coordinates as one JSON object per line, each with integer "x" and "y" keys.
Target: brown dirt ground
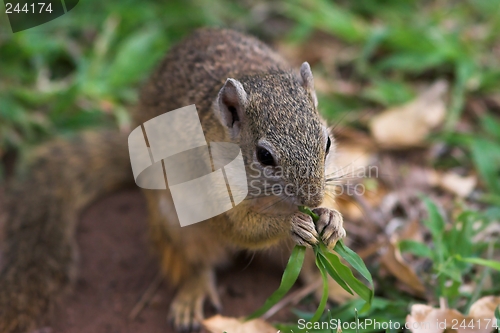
{"x": 116, "y": 267}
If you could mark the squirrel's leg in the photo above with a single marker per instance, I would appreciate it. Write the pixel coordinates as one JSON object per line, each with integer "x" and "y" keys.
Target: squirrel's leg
{"x": 188, "y": 258}
{"x": 186, "y": 310}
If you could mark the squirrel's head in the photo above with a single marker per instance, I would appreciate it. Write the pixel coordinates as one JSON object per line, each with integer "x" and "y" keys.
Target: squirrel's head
{"x": 284, "y": 142}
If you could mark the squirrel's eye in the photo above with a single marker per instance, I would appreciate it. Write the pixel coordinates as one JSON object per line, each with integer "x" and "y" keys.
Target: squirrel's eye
{"x": 265, "y": 157}
{"x": 328, "y": 144}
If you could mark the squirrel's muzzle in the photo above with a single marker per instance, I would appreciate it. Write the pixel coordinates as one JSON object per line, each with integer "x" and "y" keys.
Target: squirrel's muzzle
{"x": 311, "y": 195}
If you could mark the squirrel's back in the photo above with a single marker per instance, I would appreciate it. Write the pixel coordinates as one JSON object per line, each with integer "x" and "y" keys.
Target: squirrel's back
{"x": 195, "y": 69}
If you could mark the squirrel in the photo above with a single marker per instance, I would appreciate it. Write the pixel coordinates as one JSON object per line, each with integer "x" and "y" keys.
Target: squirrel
{"x": 245, "y": 93}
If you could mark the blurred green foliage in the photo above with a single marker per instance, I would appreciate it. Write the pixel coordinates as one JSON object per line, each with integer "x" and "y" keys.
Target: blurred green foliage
{"x": 83, "y": 69}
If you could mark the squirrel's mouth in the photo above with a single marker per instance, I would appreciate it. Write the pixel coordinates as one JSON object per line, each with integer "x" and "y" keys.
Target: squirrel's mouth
{"x": 274, "y": 205}
{"x": 279, "y": 199}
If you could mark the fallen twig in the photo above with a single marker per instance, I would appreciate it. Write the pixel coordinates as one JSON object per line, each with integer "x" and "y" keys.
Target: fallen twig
{"x": 146, "y": 297}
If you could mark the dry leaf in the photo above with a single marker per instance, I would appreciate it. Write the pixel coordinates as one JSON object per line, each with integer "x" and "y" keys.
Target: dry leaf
{"x": 411, "y": 230}
{"x": 484, "y": 307}
{"x": 350, "y": 211}
{"x": 461, "y": 186}
{"x": 351, "y": 172}
{"x": 490, "y": 233}
{"x": 397, "y": 266}
{"x": 319, "y": 47}
{"x": 426, "y": 319}
{"x": 220, "y": 324}
{"x": 408, "y": 125}
{"x": 394, "y": 262}
{"x": 328, "y": 85}
{"x": 351, "y": 160}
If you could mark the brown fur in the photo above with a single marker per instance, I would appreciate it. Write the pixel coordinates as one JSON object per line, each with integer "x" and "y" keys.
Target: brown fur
{"x": 280, "y": 109}
{"x": 42, "y": 212}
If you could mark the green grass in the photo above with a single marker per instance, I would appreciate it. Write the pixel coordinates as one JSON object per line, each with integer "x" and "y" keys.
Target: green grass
{"x": 328, "y": 263}
{"x": 83, "y": 70}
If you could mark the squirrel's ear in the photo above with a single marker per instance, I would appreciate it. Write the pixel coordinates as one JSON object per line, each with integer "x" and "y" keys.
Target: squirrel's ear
{"x": 308, "y": 81}
{"x": 231, "y": 102}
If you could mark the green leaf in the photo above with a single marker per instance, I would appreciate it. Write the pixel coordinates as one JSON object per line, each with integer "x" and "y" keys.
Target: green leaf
{"x": 324, "y": 295}
{"x": 329, "y": 17}
{"x": 326, "y": 262}
{"x": 340, "y": 272}
{"x": 435, "y": 223}
{"x": 411, "y": 40}
{"x": 412, "y": 62}
{"x": 387, "y": 92}
{"x": 354, "y": 260}
{"x": 333, "y": 273}
{"x": 449, "y": 268}
{"x": 309, "y": 212}
{"x": 288, "y": 279}
{"x": 492, "y": 213}
{"x": 479, "y": 261}
{"x": 375, "y": 39}
{"x": 459, "y": 238}
{"x": 464, "y": 71}
{"x": 346, "y": 274}
{"x": 486, "y": 157}
{"x": 417, "y": 248}
{"x": 491, "y": 125}
{"x": 134, "y": 57}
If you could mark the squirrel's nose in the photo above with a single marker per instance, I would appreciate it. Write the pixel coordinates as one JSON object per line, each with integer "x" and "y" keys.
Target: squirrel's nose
{"x": 312, "y": 197}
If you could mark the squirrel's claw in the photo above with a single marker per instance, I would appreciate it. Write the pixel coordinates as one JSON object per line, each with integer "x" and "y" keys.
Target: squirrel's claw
{"x": 186, "y": 310}
{"x": 303, "y": 230}
{"x": 329, "y": 226}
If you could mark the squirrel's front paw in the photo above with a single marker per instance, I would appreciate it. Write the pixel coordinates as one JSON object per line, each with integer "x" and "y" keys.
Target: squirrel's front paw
{"x": 186, "y": 310}
{"x": 303, "y": 230}
{"x": 329, "y": 226}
